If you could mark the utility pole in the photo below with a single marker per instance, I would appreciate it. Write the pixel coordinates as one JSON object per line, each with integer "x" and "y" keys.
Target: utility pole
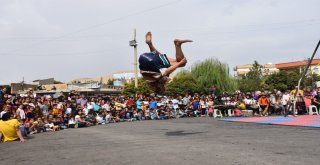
{"x": 135, "y": 63}
{"x": 22, "y": 84}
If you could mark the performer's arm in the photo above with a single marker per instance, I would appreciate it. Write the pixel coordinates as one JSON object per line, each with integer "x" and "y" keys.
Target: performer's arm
{"x": 174, "y": 67}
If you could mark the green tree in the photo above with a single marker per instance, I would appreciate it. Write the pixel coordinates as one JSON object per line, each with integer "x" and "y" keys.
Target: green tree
{"x": 282, "y": 80}
{"x": 253, "y": 80}
{"x": 204, "y": 74}
{"x": 181, "y": 83}
{"x": 110, "y": 82}
{"x": 129, "y": 88}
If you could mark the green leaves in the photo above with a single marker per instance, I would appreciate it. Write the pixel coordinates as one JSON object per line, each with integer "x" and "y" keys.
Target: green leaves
{"x": 252, "y": 80}
{"x": 183, "y": 82}
{"x": 143, "y": 88}
{"x": 202, "y": 76}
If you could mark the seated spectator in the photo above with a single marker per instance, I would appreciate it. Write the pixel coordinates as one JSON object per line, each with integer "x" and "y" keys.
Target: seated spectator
{"x": 203, "y": 106}
{"x": 116, "y": 118}
{"x": 80, "y": 121}
{"x": 146, "y": 113}
{"x": 57, "y": 123}
{"x": 316, "y": 100}
{"x": 5, "y": 110}
{"x": 308, "y": 100}
{"x": 242, "y": 105}
{"x": 65, "y": 119}
{"x": 196, "y": 108}
{"x": 99, "y": 118}
{"x": 210, "y": 111}
{"x": 10, "y": 129}
{"x": 171, "y": 112}
{"x": 254, "y": 106}
{"x": 20, "y": 114}
{"x": 162, "y": 113}
{"x": 278, "y": 107}
{"x": 55, "y": 110}
{"x": 264, "y": 103}
{"x": 237, "y": 112}
{"x": 90, "y": 118}
{"x": 108, "y": 117}
{"x": 152, "y": 114}
{"x": 37, "y": 126}
{"x": 137, "y": 115}
{"x": 49, "y": 125}
{"x": 72, "y": 122}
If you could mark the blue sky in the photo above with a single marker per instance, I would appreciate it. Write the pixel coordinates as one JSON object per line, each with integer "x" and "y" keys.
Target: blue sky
{"x": 89, "y": 38}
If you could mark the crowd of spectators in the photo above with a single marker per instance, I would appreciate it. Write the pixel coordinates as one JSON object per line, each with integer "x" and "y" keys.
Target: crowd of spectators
{"x": 31, "y": 114}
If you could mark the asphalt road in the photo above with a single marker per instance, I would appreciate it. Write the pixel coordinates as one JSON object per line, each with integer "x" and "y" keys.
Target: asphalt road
{"x": 190, "y": 141}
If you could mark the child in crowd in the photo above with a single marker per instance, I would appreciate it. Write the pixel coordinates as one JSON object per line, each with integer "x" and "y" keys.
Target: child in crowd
{"x": 210, "y": 111}
{"x": 37, "y": 126}
{"x": 152, "y": 114}
{"x": 49, "y": 126}
{"x": 65, "y": 120}
{"x": 237, "y": 112}
{"x": 55, "y": 110}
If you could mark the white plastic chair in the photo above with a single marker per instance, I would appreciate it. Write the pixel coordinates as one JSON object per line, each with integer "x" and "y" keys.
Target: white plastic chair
{"x": 313, "y": 110}
{"x": 230, "y": 113}
{"x": 217, "y": 113}
{"x": 247, "y": 113}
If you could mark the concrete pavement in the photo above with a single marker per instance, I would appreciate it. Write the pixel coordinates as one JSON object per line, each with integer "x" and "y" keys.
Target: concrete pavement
{"x": 188, "y": 141}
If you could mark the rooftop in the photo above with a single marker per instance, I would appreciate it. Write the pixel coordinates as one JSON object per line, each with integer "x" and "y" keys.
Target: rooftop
{"x": 296, "y": 64}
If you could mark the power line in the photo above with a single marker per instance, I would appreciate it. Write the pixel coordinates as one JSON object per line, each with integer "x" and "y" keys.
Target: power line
{"x": 309, "y": 21}
{"x": 65, "y": 53}
{"x": 206, "y": 33}
{"x": 97, "y": 25}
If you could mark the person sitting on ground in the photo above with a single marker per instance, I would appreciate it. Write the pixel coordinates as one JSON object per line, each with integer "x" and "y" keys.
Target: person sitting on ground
{"x": 99, "y": 118}
{"x": 72, "y": 122}
{"x": 10, "y": 129}
{"x": 151, "y": 63}
{"x": 49, "y": 126}
{"x": 90, "y": 118}
{"x": 57, "y": 123}
{"x": 152, "y": 114}
{"x": 37, "y": 126}
{"x": 80, "y": 120}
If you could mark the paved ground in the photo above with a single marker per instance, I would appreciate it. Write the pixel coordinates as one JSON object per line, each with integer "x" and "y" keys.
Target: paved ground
{"x": 191, "y": 141}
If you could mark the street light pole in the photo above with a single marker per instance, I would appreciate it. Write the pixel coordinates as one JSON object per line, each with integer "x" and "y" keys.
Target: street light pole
{"x": 135, "y": 63}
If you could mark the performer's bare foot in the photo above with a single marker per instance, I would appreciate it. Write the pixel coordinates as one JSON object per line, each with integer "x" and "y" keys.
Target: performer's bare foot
{"x": 178, "y": 42}
{"x": 149, "y": 38}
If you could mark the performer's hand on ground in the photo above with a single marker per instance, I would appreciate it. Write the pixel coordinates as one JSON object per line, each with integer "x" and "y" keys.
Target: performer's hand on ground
{"x": 149, "y": 38}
